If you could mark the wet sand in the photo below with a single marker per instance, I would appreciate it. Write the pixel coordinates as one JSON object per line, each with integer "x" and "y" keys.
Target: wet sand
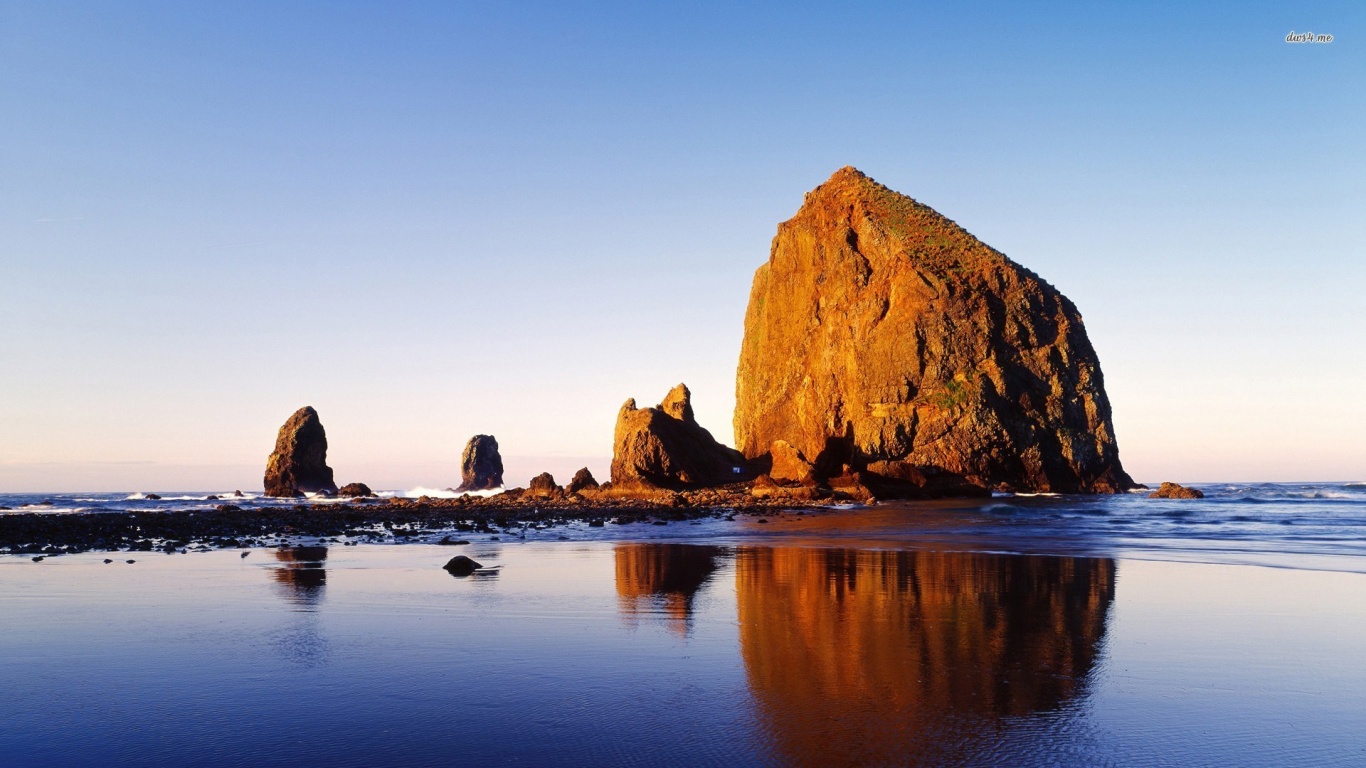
{"x": 653, "y": 652}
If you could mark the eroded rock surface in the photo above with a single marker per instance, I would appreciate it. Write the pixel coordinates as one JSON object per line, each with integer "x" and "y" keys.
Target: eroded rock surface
{"x": 1174, "y": 491}
{"x": 481, "y": 466}
{"x": 299, "y": 463}
{"x": 880, "y": 333}
{"x": 665, "y": 447}
{"x": 583, "y": 480}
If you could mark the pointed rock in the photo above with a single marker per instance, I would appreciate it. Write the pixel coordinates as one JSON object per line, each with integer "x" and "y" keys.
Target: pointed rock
{"x": 665, "y": 447}
{"x": 299, "y": 463}
{"x": 544, "y": 486}
{"x": 583, "y": 480}
{"x": 481, "y": 466}
{"x": 880, "y": 331}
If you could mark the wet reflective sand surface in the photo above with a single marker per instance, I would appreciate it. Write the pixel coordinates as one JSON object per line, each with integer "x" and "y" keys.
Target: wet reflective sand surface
{"x": 593, "y": 653}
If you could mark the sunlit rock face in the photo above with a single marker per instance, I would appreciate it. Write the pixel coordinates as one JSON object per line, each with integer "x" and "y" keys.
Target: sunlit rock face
{"x": 661, "y": 580}
{"x": 883, "y": 335}
{"x": 298, "y": 465}
{"x": 901, "y": 658}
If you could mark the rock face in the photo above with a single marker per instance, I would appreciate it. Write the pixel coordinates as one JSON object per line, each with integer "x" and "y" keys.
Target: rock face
{"x": 299, "y": 463}
{"x": 1174, "y": 491}
{"x": 880, "y": 332}
{"x": 583, "y": 480}
{"x": 665, "y": 447}
{"x": 481, "y": 467}
{"x": 789, "y": 465}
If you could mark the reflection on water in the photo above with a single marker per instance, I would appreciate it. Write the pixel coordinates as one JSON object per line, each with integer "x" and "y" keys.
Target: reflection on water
{"x": 878, "y": 657}
{"x": 662, "y": 580}
{"x": 304, "y": 576}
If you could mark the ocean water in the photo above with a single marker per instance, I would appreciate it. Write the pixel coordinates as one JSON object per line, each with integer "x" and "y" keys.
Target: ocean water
{"x": 1021, "y": 631}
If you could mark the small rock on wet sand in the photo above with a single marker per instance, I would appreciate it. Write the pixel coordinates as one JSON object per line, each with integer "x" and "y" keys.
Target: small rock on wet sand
{"x": 461, "y": 566}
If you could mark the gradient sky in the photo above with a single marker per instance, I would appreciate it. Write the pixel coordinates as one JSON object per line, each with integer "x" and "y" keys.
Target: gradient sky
{"x": 429, "y": 220}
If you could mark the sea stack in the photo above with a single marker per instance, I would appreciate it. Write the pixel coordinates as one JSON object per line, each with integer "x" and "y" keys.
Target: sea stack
{"x": 481, "y": 466}
{"x": 665, "y": 447}
{"x": 883, "y": 337}
{"x": 299, "y": 463}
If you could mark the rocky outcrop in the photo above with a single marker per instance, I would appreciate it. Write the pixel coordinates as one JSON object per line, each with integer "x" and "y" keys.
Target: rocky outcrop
{"x": 481, "y": 466}
{"x": 299, "y": 463}
{"x": 1174, "y": 491}
{"x": 544, "y": 486}
{"x": 665, "y": 447}
{"x": 355, "y": 490}
{"x": 582, "y": 481}
{"x": 879, "y": 333}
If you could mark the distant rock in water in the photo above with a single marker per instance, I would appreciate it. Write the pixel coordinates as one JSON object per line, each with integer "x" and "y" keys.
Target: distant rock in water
{"x": 1174, "y": 491}
{"x": 583, "y": 480}
{"x": 299, "y": 463}
{"x": 665, "y": 447}
{"x": 481, "y": 467}
{"x": 355, "y": 490}
{"x": 880, "y": 332}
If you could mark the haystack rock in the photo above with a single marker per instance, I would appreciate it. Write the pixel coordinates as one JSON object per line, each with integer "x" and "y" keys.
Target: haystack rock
{"x": 665, "y": 447}
{"x": 481, "y": 466}
{"x": 299, "y": 463}
{"x": 883, "y": 336}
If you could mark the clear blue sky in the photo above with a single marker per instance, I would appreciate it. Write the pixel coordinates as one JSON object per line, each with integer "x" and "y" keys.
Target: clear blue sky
{"x": 429, "y": 220}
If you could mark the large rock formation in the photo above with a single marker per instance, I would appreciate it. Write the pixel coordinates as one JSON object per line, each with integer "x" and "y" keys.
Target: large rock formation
{"x": 299, "y": 463}
{"x": 665, "y": 447}
{"x": 481, "y": 466}
{"x": 881, "y": 333}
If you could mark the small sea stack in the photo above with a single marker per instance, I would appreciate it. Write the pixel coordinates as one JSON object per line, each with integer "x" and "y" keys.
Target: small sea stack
{"x": 481, "y": 466}
{"x": 583, "y": 480}
{"x": 665, "y": 447}
{"x": 299, "y": 463}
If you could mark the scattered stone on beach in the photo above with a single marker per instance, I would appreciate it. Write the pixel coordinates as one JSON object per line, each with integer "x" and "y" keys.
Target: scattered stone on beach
{"x": 582, "y": 480}
{"x": 355, "y": 490}
{"x": 299, "y": 463}
{"x": 481, "y": 466}
{"x": 879, "y": 330}
{"x": 1174, "y": 491}
{"x": 461, "y": 565}
{"x": 544, "y": 486}
{"x": 38, "y": 559}
{"x": 130, "y": 562}
{"x": 107, "y": 561}
{"x": 665, "y": 447}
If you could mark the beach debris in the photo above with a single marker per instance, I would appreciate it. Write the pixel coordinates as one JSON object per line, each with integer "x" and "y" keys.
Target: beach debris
{"x": 481, "y": 466}
{"x": 880, "y": 331}
{"x": 665, "y": 447}
{"x": 461, "y": 566}
{"x": 1174, "y": 491}
{"x": 299, "y": 463}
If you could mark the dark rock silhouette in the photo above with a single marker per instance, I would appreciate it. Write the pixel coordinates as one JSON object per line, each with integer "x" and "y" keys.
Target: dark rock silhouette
{"x": 880, "y": 331}
{"x": 583, "y": 480}
{"x": 1174, "y": 491}
{"x": 544, "y": 485}
{"x": 665, "y": 447}
{"x": 299, "y": 463}
{"x": 461, "y": 566}
{"x": 481, "y": 466}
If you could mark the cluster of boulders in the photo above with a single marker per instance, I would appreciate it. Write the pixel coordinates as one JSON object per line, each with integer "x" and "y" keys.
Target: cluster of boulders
{"x": 887, "y": 353}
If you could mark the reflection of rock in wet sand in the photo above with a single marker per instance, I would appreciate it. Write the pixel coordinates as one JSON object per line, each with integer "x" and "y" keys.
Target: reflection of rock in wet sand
{"x": 907, "y": 658}
{"x": 663, "y": 579}
{"x": 303, "y": 575}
